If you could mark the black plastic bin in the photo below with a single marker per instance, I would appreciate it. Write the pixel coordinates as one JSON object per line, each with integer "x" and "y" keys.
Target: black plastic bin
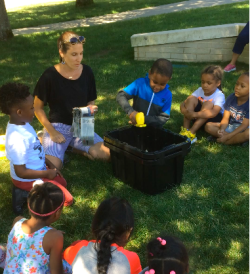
{"x": 148, "y": 159}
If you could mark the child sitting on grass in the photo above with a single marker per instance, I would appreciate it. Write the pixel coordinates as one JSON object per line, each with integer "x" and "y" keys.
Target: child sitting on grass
{"x": 33, "y": 245}
{"x": 205, "y": 104}
{"x": 151, "y": 95}
{"x": 166, "y": 255}
{"x": 112, "y": 225}
{"x": 234, "y": 127}
{"x": 23, "y": 149}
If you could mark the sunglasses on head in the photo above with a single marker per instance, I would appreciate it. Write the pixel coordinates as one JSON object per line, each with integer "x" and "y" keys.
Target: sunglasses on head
{"x": 75, "y": 40}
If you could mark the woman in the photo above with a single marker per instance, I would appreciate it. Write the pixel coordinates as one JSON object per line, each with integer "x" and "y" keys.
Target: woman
{"x": 64, "y": 86}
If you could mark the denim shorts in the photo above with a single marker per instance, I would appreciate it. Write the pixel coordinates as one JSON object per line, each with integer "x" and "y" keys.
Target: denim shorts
{"x": 58, "y": 150}
{"x": 231, "y": 127}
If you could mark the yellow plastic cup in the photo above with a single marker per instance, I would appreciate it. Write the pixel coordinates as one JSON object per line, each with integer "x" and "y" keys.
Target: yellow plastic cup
{"x": 140, "y": 119}
{"x": 2, "y": 147}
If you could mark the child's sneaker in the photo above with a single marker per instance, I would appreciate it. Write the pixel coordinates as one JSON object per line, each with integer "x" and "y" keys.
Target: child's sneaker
{"x": 3, "y": 251}
{"x": 192, "y": 137}
{"x": 185, "y": 132}
{"x": 229, "y": 68}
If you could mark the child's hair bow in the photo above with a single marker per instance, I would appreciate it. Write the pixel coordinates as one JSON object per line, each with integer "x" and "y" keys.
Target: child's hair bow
{"x": 163, "y": 242}
{"x": 150, "y": 271}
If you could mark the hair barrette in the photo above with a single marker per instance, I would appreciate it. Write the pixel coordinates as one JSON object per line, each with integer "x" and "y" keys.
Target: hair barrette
{"x": 151, "y": 254}
{"x": 151, "y": 271}
{"x": 162, "y": 241}
{"x": 172, "y": 272}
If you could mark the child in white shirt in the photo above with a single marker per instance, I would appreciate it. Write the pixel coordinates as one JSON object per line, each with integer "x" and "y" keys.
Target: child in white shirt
{"x": 205, "y": 104}
{"x": 23, "y": 148}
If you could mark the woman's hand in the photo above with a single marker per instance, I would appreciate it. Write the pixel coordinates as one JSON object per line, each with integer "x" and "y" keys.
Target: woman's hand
{"x": 93, "y": 108}
{"x": 57, "y": 137}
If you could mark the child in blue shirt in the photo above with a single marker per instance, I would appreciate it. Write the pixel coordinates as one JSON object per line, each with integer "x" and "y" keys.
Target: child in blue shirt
{"x": 234, "y": 127}
{"x": 151, "y": 95}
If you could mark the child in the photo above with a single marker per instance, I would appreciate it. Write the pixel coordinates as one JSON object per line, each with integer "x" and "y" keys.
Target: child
{"x": 33, "y": 245}
{"x": 234, "y": 127}
{"x": 23, "y": 149}
{"x": 166, "y": 255}
{"x": 205, "y": 104}
{"x": 112, "y": 225}
{"x": 151, "y": 95}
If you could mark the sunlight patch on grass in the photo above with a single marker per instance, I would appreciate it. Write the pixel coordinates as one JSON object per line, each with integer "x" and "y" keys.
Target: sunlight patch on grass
{"x": 185, "y": 191}
{"x": 234, "y": 253}
{"x": 184, "y": 226}
{"x": 244, "y": 189}
{"x": 203, "y": 192}
{"x": 7, "y": 60}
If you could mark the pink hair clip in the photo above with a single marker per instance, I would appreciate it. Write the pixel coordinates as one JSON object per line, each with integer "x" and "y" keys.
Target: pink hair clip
{"x": 172, "y": 272}
{"x": 151, "y": 271}
{"x": 151, "y": 254}
{"x": 163, "y": 242}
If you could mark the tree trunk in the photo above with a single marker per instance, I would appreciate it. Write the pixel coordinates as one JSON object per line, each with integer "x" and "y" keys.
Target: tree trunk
{"x": 83, "y": 3}
{"x": 5, "y": 29}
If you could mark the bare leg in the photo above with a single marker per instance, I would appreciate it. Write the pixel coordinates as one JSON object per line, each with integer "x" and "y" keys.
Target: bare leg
{"x": 212, "y": 128}
{"x": 99, "y": 151}
{"x": 83, "y": 153}
{"x": 239, "y": 138}
{"x": 234, "y": 58}
{"x": 190, "y": 104}
{"x": 55, "y": 161}
{"x": 200, "y": 121}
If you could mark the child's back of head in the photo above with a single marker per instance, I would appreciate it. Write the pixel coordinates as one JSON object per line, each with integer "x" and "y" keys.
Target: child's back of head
{"x": 112, "y": 223}
{"x": 12, "y": 95}
{"x": 44, "y": 200}
{"x": 163, "y": 67}
{"x": 167, "y": 255}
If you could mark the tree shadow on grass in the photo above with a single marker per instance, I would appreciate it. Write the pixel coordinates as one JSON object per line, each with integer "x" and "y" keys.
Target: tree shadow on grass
{"x": 48, "y": 14}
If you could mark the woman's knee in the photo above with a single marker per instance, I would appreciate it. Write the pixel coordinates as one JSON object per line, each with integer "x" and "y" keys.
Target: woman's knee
{"x": 55, "y": 161}
{"x": 99, "y": 151}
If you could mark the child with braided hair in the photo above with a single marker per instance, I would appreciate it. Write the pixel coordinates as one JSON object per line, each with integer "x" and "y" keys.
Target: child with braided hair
{"x": 112, "y": 225}
{"x": 33, "y": 245}
{"x": 166, "y": 255}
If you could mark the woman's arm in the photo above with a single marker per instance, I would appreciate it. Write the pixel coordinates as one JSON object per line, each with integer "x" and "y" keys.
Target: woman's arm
{"x": 55, "y": 136}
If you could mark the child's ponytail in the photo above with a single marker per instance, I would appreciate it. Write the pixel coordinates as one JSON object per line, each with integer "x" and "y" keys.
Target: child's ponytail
{"x": 112, "y": 220}
{"x": 104, "y": 251}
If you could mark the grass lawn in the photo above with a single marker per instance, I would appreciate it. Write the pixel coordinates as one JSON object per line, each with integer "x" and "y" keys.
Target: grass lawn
{"x": 209, "y": 211}
{"x": 35, "y": 15}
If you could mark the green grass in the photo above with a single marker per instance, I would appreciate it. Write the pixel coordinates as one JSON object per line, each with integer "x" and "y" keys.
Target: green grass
{"x": 35, "y": 15}
{"x": 209, "y": 211}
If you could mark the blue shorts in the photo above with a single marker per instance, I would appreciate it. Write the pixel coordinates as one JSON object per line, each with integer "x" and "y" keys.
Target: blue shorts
{"x": 231, "y": 127}
{"x": 58, "y": 150}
